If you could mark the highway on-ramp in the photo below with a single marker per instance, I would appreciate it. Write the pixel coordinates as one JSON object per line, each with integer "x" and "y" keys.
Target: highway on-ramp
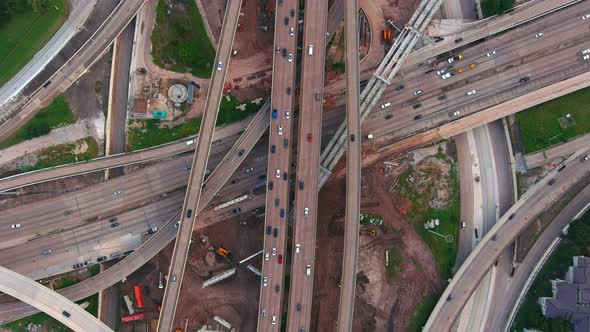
{"x": 50, "y": 302}
{"x": 533, "y": 202}
{"x": 199, "y": 167}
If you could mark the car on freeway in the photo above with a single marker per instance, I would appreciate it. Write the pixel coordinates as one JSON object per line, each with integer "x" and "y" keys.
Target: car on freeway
{"x": 383, "y": 106}
{"x": 470, "y": 93}
{"x": 13, "y": 226}
{"x": 274, "y": 251}
{"x": 447, "y": 75}
{"x": 454, "y": 114}
{"x": 115, "y": 224}
{"x": 301, "y": 183}
{"x": 418, "y": 117}
{"x": 586, "y": 57}
{"x": 585, "y": 17}
{"x": 265, "y": 281}
{"x": 277, "y": 288}
{"x": 274, "y": 114}
{"x": 585, "y": 51}
{"x": 417, "y": 106}
{"x": 297, "y": 248}
{"x": 282, "y": 213}
{"x": 270, "y": 185}
{"x": 539, "y": 35}
{"x": 275, "y": 233}
{"x": 284, "y": 52}
{"x": 318, "y": 96}
{"x": 441, "y": 71}
{"x": 290, "y": 57}
{"x": 90, "y": 262}
{"x": 234, "y": 181}
{"x": 399, "y": 87}
{"x": 150, "y": 231}
{"x": 274, "y": 320}
{"x": 118, "y": 192}
{"x": 189, "y": 213}
{"x": 524, "y": 79}
{"x": 586, "y": 158}
{"x": 266, "y": 256}
{"x": 280, "y": 260}
{"x": 113, "y": 219}
{"x": 463, "y": 225}
{"x": 174, "y": 279}
{"x": 286, "y": 142}
{"x": 286, "y": 20}
{"x": 491, "y": 53}
{"x": 249, "y": 169}
{"x": 442, "y": 97}
{"x": 417, "y": 92}
{"x": 287, "y": 115}
{"x": 263, "y": 312}
{"x": 101, "y": 258}
{"x": 298, "y": 306}
{"x": 285, "y": 176}
{"x": 292, "y": 12}
{"x": 65, "y": 313}
{"x": 68, "y": 212}
{"x": 308, "y": 270}
{"x": 455, "y": 58}
{"x": 280, "y": 130}
{"x": 352, "y": 137}
{"x": 306, "y": 211}
{"x": 236, "y": 211}
{"x": 176, "y": 224}
{"x": 309, "y": 137}
{"x": 278, "y": 174}
{"x": 291, "y": 32}
{"x": 278, "y": 49}
{"x": 388, "y": 116}
{"x": 219, "y": 65}
{"x": 273, "y": 148}
{"x": 78, "y": 265}
{"x": 268, "y": 230}
{"x": 277, "y": 202}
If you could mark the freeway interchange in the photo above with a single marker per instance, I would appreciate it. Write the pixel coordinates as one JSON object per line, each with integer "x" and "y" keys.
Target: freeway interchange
{"x": 503, "y": 67}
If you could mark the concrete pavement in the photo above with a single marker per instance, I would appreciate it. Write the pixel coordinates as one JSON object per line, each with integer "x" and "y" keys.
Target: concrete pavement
{"x": 556, "y": 152}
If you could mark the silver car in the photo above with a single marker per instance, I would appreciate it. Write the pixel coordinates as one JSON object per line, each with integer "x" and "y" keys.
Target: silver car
{"x": 265, "y": 281}
{"x": 290, "y": 57}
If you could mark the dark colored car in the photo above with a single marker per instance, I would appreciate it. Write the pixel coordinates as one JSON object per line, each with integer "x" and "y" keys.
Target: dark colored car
{"x": 300, "y": 185}
{"x": 77, "y": 266}
{"x": 277, "y": 288}
{"x": 241, "y": 153}
{"x": 189, "y": 213}
{"x": 388, "y": 116}
{"x": 270, "y": 185}
{"x": 65, "y": 313}
{"x": 68, "y": 212}
{"x": 284, "y": 52}
{"x": 292, "y": 12}
{"x": 285, "y": 176}
{"x": 275, "y": 232}
{"x": 442, "y": 97}
{"x": 417, "y": 117}
{"x": 511, "y": 217}
{"x": 115, "y": 224}
{"x": 399, "y": 87}
{"x": 113, "y": 219}
{"x": 561, "y": 168}
{"x": 101, "y": 258}
{"x": 417, "y": 106}
{"x": 46, "y": 84}
{"x": 551, "y": 182}
{"x": 289, "y": 90}
{"x": 285, "y": 142}
{"x": 309, "y": 137}
{"x": 298, "y": 306}
{"x": 286, "y": 20}
{"x": 352, "y": 138}
{"x": 268, "y": 230}
{"x": 282, "y": 213}
{"x": 236, "y": 211}
{"x": 277, "y": 202}
{"x": 524, "y": 79}
{"x": 494, "y": 237}
{"x": 280, "y": 259}
{"x": 262, "y": 177}
{"x": 273, "y": 148}
{"x": 234, "y": 181}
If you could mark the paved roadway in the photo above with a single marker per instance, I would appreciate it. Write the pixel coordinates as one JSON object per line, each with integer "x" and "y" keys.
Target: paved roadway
{"x": 506, "y": 300}
{"x": 75, "y": 66}
{"x": 353, "y": 168}
{"x": 279, "y": 163}
{"x": 412, "y": 63}
{"x": 50, "y": 302}
{"x": 533, "y": 202}
{"x": 554, "y": 153}
{"x": 199, "y": 166}
{"x": 79, "y": 12}
{"x": 308, "y": 155}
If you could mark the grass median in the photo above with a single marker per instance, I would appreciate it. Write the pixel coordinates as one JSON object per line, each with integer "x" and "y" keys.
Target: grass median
{"x": 25, "y": 33}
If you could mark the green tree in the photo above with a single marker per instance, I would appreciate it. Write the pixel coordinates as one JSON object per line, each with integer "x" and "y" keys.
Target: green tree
{"x": 579, "y": 231}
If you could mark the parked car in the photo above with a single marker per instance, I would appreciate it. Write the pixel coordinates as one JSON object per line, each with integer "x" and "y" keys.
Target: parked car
{"x": 78, "y": 266}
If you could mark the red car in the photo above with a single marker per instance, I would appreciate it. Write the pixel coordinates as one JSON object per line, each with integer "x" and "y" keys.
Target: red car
{"x": 309, "y": 137}
{"x": 280, "y": 259}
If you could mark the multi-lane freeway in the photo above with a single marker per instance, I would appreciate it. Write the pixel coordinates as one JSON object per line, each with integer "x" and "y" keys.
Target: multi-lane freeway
{"x": 199, "y": 166}
{"x": 532, "y": 203}
{"x": 279, "y": 165}
{"x": 308, "y": 155}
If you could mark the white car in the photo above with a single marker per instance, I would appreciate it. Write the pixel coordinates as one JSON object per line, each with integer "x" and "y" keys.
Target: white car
{"x": 491, "y": 53}
{"x": 274, "y": 251}
{"x": 280, "y": 129}
{"x": 177, "y": 224}
{"x": 274, "y": 320}
{"x": 586, "y": 51}
{"x": 278, "y": 174}
{"x": 219, "y": 64}
{"x": 263, "y": 312}
{"x": 539, "y": 35}
{"x": 306, "y": 211}
{"x": 586, "y": 57}
{"x": 470, "y": 93}
{"x": 13, "y": 226}
{"x": 291, "y": 32}
{"x": 287, "y": 115}
{"x": 266, "y": 256}
{"x": 587, "y": 157}
{"x": 454, "y": 114}
{"x": 297, "y": 247}
{"x": 417, "y": 92}
{"x": 585, "y": 17}
{"x": 386, "y": 105}
{"x": 440, "y": 72}
{"x": 265, "y": 281}
{"x": 118, "y": 192}
{"x": 447, "y": 75}
{"x": 290, "y": 57}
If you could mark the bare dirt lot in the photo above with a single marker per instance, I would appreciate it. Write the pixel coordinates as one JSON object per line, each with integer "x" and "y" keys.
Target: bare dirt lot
{"x": 383, "y": 303}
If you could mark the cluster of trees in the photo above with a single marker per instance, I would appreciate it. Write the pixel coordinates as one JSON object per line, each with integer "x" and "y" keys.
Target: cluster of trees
{"x": 494, "y": 7}
{"x": 9, "y": 8}
{"x": 579, "y": 231}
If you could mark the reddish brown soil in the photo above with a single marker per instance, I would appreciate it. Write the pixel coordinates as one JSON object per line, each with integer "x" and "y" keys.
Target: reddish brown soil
{"x": 381, "y": 304}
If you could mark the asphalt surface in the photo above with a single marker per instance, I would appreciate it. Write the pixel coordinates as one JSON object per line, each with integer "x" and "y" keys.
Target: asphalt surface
{"x": 199, "y": 167}
{"x": 555, "y": 153}
{"x": 76, "y": 66}
{"x": 50, "y": 302}
{"x": 536, "y": 200}
{"x": 79, "y": 12}
{"x": 308, "y": 155}
{"x": 279, "y": 165}
{"x": 353, "y": 168}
